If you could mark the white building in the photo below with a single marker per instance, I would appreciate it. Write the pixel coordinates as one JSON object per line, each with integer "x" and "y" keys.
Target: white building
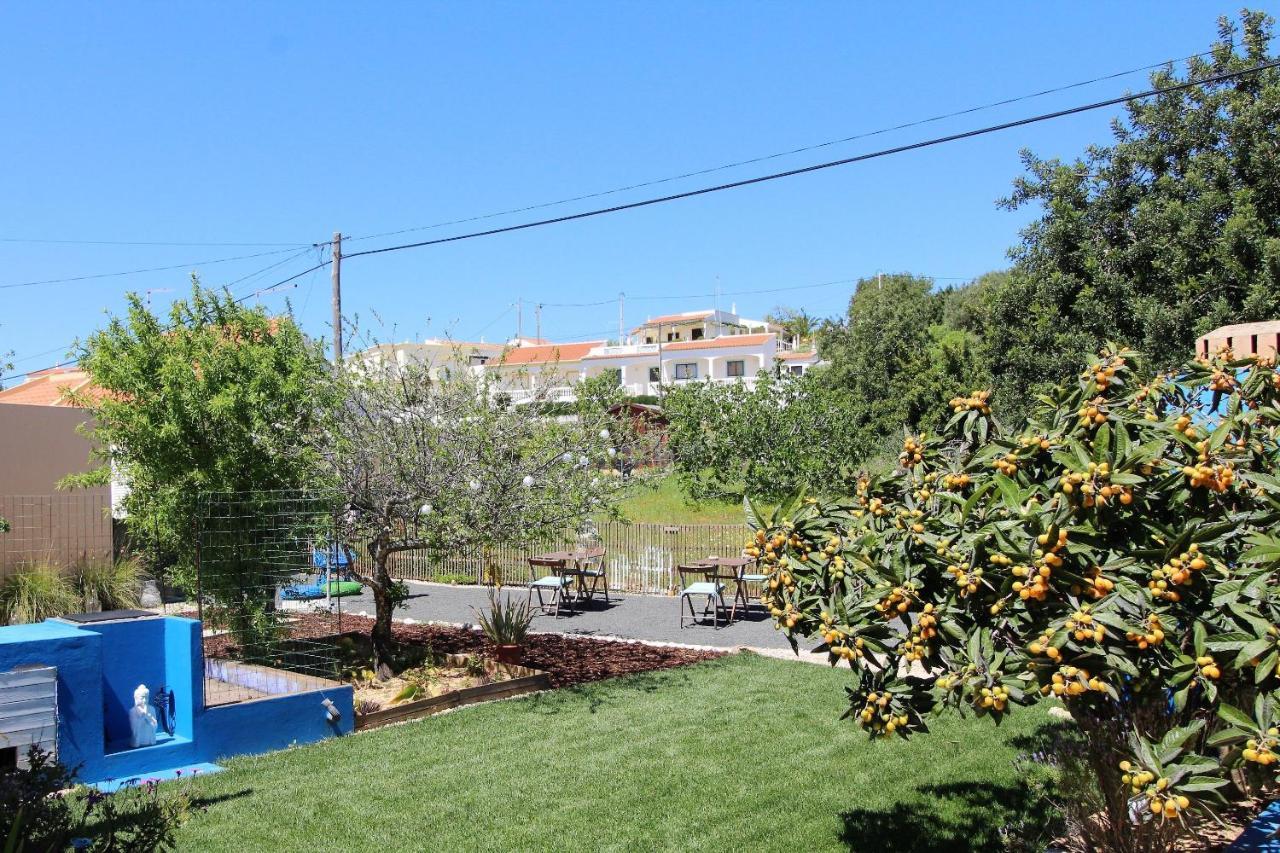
{"x": 696, "y": 346}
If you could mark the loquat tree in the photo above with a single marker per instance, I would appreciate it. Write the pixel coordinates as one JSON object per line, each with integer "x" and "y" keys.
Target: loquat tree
{"x": 1116, "y": 552}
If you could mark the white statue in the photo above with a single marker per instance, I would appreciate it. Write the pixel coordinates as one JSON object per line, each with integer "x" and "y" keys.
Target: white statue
{"x": 142, "y": 721}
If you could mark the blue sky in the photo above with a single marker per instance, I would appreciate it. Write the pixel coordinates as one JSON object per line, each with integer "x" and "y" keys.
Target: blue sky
{"x": 283, "y": 122}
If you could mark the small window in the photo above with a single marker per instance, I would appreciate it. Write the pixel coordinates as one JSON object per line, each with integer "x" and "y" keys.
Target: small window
{"x": 9, "y": 758}
{"x": 648, "y": 339}
{"x": 616, "y": 372}
{"x": 671, "y": 336}
{"x": 796, "y": 369}
{"x": 687, "y": 371}
{"x": 655, "y": 374}
{"x": 477, "y": 360}
{"x": 696, "y": 334}
{"x": 737, "y": 368}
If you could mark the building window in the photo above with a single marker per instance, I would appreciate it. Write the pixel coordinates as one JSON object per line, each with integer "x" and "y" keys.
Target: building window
{"x": 655, "y": 374}
{"x": 616, "y": 373}
{"x": 796, "y": 369}
{"x": 477, "y": 360}
{"x": 648, "y": 339}
{"x": 737, "y": 368}
{"x": 696, "y": 334}
{"x": 687, "y": 371}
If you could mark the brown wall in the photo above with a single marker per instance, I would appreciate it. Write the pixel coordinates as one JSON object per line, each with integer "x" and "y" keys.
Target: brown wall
{"x": 39, "y": 446}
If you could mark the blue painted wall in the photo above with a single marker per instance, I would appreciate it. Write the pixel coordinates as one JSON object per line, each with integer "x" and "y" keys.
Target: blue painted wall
{"x": 133, "y": 653}
{"x": 100, "y": 665}
{"x": 78, "y": 657}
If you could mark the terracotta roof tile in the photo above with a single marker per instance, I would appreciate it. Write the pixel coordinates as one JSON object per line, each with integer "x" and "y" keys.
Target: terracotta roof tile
{"x": 49, "y": 388}
{"x": 562, "y": 353}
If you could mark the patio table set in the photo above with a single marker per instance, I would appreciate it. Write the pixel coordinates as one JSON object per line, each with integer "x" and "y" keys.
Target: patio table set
{"x": 572, "y": 579}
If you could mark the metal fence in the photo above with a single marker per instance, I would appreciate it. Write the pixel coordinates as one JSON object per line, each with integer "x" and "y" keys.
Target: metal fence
{"x": 63, "y": 530}
{"x": 258, "y": 558}
{"x": 640, "y": 558}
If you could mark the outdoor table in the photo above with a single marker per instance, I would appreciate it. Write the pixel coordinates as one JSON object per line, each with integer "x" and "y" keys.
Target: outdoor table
{"x": 736, "y": 567}
{"x": 572, "y": 566}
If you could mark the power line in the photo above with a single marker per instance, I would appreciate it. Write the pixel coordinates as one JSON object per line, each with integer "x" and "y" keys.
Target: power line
{"x": 790, "y": 152}
{"x": 187, "y": 265}
{"x": 171, "y": 326}
{"x": 140, "y": 243}
{"x": 803, "y": 170}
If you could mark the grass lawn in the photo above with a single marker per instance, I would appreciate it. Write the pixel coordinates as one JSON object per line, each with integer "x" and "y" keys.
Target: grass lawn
{"x": 667, "y": 504}
{"x": 739, "y": 753}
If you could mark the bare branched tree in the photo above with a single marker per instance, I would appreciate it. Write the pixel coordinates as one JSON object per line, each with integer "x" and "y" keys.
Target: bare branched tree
{"x": 450, "y": 463}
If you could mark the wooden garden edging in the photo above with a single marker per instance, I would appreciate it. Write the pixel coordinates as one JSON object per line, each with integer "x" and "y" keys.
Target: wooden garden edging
{"x": 524, "y": 680}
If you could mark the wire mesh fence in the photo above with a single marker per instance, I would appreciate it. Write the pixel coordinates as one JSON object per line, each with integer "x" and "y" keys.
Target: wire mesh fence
{"x": 640, "y": 558}
{"x": 270, "y": 574}
{"x": 63, "y": 530}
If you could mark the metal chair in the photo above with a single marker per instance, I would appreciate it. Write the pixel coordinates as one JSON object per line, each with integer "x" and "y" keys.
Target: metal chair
{"x": 749, "y": 573}
{"x": 552, "y": 577}
{"x": 591, "y": 566}
{"x": 709, "y": 586}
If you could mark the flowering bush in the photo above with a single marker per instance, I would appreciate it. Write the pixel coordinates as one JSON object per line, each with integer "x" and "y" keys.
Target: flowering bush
{"x": 1116, "y": 552}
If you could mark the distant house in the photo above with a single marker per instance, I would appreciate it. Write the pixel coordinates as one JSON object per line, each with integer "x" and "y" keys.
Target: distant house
{"x": 665, "y": 351}
{"x": 1262, "y": 338}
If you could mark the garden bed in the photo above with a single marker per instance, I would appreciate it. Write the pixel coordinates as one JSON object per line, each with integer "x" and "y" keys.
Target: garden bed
{"x": 566, "y": 660}
{"x": 426, "y": 681}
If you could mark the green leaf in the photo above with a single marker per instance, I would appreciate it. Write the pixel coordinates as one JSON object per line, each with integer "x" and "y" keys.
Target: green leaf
{"x": 1251, "y": 650}
{"x": 1009, "y": 492}
{"x": 1236, "y": 717}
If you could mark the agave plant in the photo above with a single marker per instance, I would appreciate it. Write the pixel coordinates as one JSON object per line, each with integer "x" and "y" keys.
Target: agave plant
{"x": 507, "y": 621}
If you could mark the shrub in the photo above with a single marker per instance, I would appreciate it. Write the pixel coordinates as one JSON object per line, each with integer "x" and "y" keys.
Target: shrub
{"x": 43, "y": 808}
{"x": 456, "y": 578}
{"x": 35, "y": 593}
{"x": 507, "y": 621}
{"x": 113, "y": 585}
{"x": 1115, "y": 551}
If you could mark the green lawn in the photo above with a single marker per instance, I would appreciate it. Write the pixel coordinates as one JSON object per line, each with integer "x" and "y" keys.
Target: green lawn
{"x": 665, "y": 503}
{"x": 740, "y": 753}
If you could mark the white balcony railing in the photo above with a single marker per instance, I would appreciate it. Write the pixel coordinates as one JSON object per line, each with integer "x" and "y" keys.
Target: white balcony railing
{"x": 624, "y": 349}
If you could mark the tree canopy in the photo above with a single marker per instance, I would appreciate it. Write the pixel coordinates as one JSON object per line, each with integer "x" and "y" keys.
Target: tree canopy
{"x": 895, "y": 358}
{"x": 1170, "y": 231}
{"x": 221, "y": 397}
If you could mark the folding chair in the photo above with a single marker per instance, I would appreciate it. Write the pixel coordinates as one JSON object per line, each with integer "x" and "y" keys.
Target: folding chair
{"x": 709, "y": 586}
{"x": 747, "y": 574}
{"x": 591, "y": 565}
{"x": 550, "y": 575}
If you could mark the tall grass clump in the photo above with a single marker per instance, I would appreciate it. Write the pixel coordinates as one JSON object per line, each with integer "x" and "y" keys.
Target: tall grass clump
{"x": 113, "y": 585}
{"x": 35, "y": 593}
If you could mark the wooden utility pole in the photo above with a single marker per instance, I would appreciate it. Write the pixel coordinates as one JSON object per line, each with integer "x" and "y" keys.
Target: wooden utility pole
{"x": 336, "y": 275}
{"x": 622, "y": 298}
{"x": 537, "y": 321}
{"x": 519, "y": 318}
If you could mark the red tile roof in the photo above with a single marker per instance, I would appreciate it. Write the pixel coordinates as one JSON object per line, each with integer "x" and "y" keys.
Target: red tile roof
{"x": 50, "y": 387}
{"x": 545, "y": 353}
{"x": 791, "y": 355}
{"x": 722, "y": 341}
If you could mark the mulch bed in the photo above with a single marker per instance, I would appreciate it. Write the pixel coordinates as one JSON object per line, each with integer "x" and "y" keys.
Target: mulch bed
{"x": 566, "y": 659}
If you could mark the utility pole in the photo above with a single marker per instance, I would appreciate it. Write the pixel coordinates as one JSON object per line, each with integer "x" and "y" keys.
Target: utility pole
{"x": 622, "y": 298}
{"x": 519, "y": 318}
{"x": 537, "y": 321}
{"x": 336, "y": 275}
